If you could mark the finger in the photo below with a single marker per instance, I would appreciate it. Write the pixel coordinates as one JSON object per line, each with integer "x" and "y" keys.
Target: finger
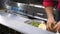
{"x": 57, "y": 29}
{"x": 47, "y": 27}
{"x": 56, "y": 26}
{"x": 50, "y": 27}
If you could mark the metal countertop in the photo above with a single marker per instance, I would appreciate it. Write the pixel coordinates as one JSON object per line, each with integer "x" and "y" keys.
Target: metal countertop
{"x": 16, "y": 22}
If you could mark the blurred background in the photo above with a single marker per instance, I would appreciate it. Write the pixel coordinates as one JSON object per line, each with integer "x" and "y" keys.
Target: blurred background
{"x": 22, "y": 1}
{"x": 31, "y": 9}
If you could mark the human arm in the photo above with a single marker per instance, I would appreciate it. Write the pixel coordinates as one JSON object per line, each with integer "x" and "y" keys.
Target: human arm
{"x": 49, "y": 5}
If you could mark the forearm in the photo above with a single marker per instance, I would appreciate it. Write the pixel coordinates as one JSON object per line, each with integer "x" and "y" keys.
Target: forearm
{"x": 49, "y": 12}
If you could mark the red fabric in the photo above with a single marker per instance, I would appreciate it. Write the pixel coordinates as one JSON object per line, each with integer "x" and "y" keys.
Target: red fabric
{"x": 47, "y": 3}
{"x": 58, "y": 5}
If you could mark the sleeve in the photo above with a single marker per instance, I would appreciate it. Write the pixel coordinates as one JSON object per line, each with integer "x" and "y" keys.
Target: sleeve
{"x": 48, "y": 3}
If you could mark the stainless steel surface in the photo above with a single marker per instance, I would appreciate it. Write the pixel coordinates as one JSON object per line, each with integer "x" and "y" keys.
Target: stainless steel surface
{"x": 15, "y": 4}
{"x": 11, "y": 3}
{"x": 16, "y": 22}
{"x": 22, "y": 6}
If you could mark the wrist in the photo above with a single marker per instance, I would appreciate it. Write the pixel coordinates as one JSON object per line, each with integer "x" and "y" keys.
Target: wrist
{"x": 51, "y": 16}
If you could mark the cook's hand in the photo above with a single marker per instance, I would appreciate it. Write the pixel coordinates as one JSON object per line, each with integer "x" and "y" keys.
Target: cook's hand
{"x": 57, "y": 27}
{"x": 49, "y": 23}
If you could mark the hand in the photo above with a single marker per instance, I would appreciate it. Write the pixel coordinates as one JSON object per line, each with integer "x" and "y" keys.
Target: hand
{"x": 49, "y": 23}
{"x": 57, "y": 27}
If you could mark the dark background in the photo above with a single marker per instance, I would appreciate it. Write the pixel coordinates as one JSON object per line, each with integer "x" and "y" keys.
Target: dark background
{"x": 29, "y": 1}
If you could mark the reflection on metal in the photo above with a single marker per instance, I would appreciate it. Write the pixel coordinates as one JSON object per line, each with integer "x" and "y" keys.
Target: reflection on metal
{"x": 20, "y": 4}
{"x": 37, "y": 17}
{"x": 40, "y": 18}
{"x": 16, "y": 4}
{"x": 8, "y": 7}
{"x": 38, "y": 6}
{"x": 40, "y": 14}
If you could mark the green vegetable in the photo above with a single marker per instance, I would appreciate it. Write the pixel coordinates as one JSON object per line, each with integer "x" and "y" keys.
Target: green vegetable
{"x": 34, "y": 23}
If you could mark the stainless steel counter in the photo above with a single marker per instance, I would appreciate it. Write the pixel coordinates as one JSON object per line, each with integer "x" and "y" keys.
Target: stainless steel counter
{"x": 16, "y": 22}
